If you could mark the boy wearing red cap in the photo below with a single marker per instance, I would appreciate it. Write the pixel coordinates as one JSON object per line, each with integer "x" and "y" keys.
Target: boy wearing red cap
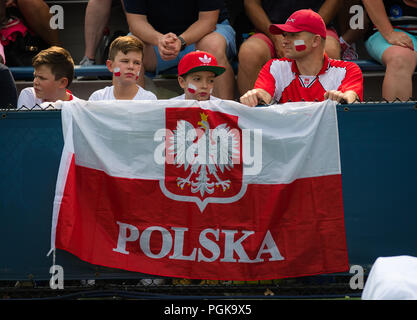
{"x": 196, "y": 73}
{"x": 306, "y": 73}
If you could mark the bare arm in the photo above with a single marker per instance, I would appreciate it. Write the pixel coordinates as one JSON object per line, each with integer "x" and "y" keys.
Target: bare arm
{"x": 141, "y": 28}
{"x": 3, "y": 5}
{"x": 257, "y": 15}
{"x": 329, "y": 10}
{"x": 378, "y": 15}
{"x": 261, "y": 22}
{"x": 168, "y": 44}
{"x": 205, "y": 24}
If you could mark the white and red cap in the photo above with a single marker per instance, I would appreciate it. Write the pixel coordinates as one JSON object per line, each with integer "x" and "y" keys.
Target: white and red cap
{"x": 301, "y": 20}
{"x": 199, "y": 61}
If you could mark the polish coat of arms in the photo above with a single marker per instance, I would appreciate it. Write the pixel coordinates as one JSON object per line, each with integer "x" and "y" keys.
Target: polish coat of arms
{"x": 205, "y": 164}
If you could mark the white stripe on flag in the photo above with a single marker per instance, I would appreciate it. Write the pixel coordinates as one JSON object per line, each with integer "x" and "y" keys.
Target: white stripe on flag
{"x": 299, "y": 140}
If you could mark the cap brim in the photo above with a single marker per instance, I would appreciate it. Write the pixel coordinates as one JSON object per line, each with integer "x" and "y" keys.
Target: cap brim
{"x": 280, "y": 28}
{"x": 217, "y": 70}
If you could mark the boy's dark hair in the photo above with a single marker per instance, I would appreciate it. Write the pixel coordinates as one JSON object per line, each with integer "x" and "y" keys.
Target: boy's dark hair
{"x": 125, "y": 44}
{"x": 58, "y": 60}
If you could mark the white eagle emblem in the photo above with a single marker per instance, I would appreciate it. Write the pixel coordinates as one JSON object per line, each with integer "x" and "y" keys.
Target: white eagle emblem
{"x": 205, "y": 59}
{"x": 204, "y": 153}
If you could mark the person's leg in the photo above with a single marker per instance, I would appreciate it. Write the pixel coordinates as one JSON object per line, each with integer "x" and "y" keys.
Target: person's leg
{"x": 253, "y": 54}
{"x": 37, "y": 17}
{"x": 359, "y": 21}
{"x": 149, "y": 63}
{"x": 97, "y": 15}
{"x": 332, "y": 47}
{"x": 352, "y": 27}
{"x": 400, "y": 65}
{"x": 215, "y": 44}
{"x": 222, "y": 44}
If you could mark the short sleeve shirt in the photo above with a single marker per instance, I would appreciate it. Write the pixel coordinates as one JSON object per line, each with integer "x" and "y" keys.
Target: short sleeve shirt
{"x": 27, "y": 99}
{"x": 172, "y": 15}
{"x": 107, "y": 93}
{"x": 282, "y": 80}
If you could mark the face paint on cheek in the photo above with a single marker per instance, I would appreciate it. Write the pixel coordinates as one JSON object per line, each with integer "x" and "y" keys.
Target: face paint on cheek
{"x": 116, "y": 72}
{"x": 299, "y": 45}
{"x": 137, "y": 76}
{"x": 192, "y": 88}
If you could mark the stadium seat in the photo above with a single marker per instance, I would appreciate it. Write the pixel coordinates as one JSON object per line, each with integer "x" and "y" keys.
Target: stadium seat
{"x": 19, "y": 73}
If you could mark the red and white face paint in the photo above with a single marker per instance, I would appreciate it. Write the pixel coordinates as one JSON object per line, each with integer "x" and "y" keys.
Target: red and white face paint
{"x": 116, "y": 72}
{"x": 299, "y": 45}
{"x": 137, "y": 75}
{"x": 191, "y": 88}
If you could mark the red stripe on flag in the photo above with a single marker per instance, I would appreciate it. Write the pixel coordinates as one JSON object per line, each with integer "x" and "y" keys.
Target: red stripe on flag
{"x": 304, "y": 219}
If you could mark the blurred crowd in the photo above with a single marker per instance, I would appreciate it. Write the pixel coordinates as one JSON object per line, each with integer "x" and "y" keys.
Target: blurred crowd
{"x": 237, "y": 33}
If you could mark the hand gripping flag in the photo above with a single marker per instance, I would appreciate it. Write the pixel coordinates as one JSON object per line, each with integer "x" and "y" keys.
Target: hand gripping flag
{"x": 204, "y": 190}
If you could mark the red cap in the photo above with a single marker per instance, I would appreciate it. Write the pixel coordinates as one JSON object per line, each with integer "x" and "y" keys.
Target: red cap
{"x": 301, "y": 20}
{"x": 199, "y": 61}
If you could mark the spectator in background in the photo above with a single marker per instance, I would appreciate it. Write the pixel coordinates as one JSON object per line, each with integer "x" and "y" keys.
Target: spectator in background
{"x": 36, "y": 16}
{"x": 394, "y": 43}
{"x": 97, "y": 15}
{"x": 306, "y": 73}
{"x": 172, "y": 28}
{"x": 8, "y": 92}
{"x": 350, "y": 34}
{"x": 53, "y": 73}
{"x": 125, "y": 62}
{"x": 263, "y": 46}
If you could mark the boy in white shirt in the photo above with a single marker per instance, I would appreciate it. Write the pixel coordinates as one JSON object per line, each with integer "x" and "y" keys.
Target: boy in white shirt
{"x": 53, "y": 73}
{"x": 196, "y": 73}
{"x": 125, "y": 62}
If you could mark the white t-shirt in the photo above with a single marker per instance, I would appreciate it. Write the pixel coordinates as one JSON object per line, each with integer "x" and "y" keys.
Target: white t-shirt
{"x": 392, "y": 278}
{"x": 28, "y": 99}
{"x": 107, "y": 93}
{"x": 182, "y": 97}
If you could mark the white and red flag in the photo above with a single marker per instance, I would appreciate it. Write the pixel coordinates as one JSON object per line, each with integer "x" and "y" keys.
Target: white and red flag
{"x": 204, "y": 190}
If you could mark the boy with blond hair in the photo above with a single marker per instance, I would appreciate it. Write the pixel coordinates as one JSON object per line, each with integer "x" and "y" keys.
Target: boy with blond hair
{"x": 196, "y": 73}
{"x": 125, "y": 62}
{"x": 53, "y": 74}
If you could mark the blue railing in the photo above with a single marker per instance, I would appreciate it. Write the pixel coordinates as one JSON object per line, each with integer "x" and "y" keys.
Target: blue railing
{"x": 102, "y": 71}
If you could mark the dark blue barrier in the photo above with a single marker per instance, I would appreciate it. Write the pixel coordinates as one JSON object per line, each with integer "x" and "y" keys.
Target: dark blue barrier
{"x": 379, "y": 174}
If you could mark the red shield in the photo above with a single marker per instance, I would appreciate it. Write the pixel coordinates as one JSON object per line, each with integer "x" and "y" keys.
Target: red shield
{"x": 203, "y": 157}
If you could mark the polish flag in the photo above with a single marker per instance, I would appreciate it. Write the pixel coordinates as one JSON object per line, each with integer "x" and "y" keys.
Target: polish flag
{"x": 116, "y": 72}
{"x": 201, "y": 190}
{"x": 192, "y": 88}
{"x": 299, "y": 45}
